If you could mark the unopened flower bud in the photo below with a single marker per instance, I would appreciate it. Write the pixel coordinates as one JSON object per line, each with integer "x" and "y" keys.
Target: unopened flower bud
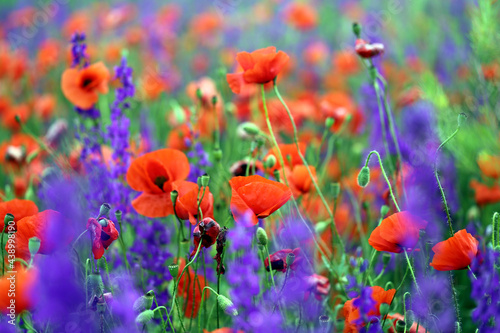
{"x": 384, "y": 210}
{"x": 270, "y": 162}
{"x": 356, "y": 28}
{"x": 329, "y": 122}
{"x": 144, "y": 317}
{"x": 248, "y": 130}
{"x": 94, "y": 281}
{"x": 384, "y": 308}
{"x": 199, "y": 95}
{"x": 364, "y": 176}
{"x": 34, "y": 245}
{"x": 214, "y": 100}
{"x": 276, "y": 174}
{"x": 227, "y": 306}
{"x": 261, "y": 236}
{"x": 174, "y": 270}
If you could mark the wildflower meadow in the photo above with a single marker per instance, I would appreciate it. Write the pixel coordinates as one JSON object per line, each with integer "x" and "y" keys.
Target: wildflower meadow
{"x": 235, "y": 166}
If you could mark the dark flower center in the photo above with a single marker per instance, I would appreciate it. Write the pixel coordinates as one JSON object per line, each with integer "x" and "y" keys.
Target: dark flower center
{"x": 159, "y": 181}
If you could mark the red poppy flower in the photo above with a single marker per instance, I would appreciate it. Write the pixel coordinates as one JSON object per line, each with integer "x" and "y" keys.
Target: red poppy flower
{"x": 153, "y": 174}
{"x": 351, "y": 312}
{"x": 299, "y": 179}
{"x": 187, "y": 284}
{"x": 278, "y": 260}
{"x": 258, "y": 194}
{"x": 186, "y": 206}
{"x": 455, "y": 253}
{"x": 38, "y": 226}
{"x": 206, "y": 232}
{"x": 485, "y": 194}
{"x": 302, "y": 16}
{"x": 102, "y": 235}
{"x": 19, "y": 208}
{"x": 260, "y": 66}
{"x": 489, "y": 165}
{"x": 81, "y": 86}
{"x": 413, "y": 329}
{"x": 24, "y": 280}
{"x": 368, "y": 50}
{"x": 177, "y": 137}
{"x": 319, "y": 286}
{"x": 339, "y": 106}
{"x": 397, "y": 232}
{"x": 289, "y": 153}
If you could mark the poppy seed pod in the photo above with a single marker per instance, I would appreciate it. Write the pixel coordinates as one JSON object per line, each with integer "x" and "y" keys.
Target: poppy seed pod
{"x": 34, "y": 245}
{"x": 104, "y": 210}
{"x": 217, "y": 155}
{"x": 96, "y": 286}
{"x": 400, "y": 326}
{"x": 461, "y": 118}
{"x": 8, "y": 218}
{"x": 118, "y": 215}
{"x": 173, "y": 196}
{"x": 290, "y": 258}
{"x": 262, "y": 236}
{"x": 364, "y": 176}
{"x": 324, "y": 319}
{"x": 174, "y": 270}
{"x": 226, "y": 305}
{"x": 205, "y": 179}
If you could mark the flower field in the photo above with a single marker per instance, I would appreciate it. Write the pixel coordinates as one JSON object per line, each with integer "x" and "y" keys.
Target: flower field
{"x": 250, "y": 166}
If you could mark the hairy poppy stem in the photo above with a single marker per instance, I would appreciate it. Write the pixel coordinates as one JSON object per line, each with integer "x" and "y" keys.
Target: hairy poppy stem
{"x": 118, "y": 215}
{"x": 202, "y": 303}
{"x": 280, "y": 156}
{"x": 385, "y": 175}
{"x": 392, "y": 129}
{"x": 296, "y": 140}
{"x": 163, "y": 326}
{"x": 443, "y": 196}
{"x": 270, "y": 268}
{"x": 412, "y": 272}
{"x": 176, "y": 285}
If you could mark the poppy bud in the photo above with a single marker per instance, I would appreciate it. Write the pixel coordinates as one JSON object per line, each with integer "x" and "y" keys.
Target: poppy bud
{"x": 144, "y": 317}
{"x": 8, "y": 218}
{"x": 461, "y": 118}
{"x": 335, "y": 190}
{"x": 290, "y": 258}
{"x": 173, "y": 196}
{"x": 473, "y": 213}
{"x": 217, "y": 155}
{"x": 104, "y": 210}
{"x": 409, "y": 319}
{"x": 199, "y": 95}
{"x": 96, "y": 286}
{"x": 227, "y": 306}
{"x": 270, "y": 162}
{"x": 384, "y": 308}
{"x": 249, "y": 129}
{"x": 356, "y": 28}
{"x": 174, "y": 270}
{"x": 276, "y": 175}
{"x": 329, "y": 122}
{"x": 205, "y": 179}
{"x": 214, "y": 100}
{"x": 321, "y": 226}
{"x": 364, "y": 176}
{"x": 262, "y": 236}
{"x": 34, "y": 245}
{"x": 384, "y": 210}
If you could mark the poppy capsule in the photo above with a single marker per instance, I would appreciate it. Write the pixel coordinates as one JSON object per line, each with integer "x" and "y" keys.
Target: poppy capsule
{"x": 103, "y": 233}
{"x": 367, "y": 50}
{"x": 257, "y": 194}
{"x": 397, "y": 232}
{"x": 279, "y": 260}
{"x": 455, "y": 253}
{"x": 206, "y": 232}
